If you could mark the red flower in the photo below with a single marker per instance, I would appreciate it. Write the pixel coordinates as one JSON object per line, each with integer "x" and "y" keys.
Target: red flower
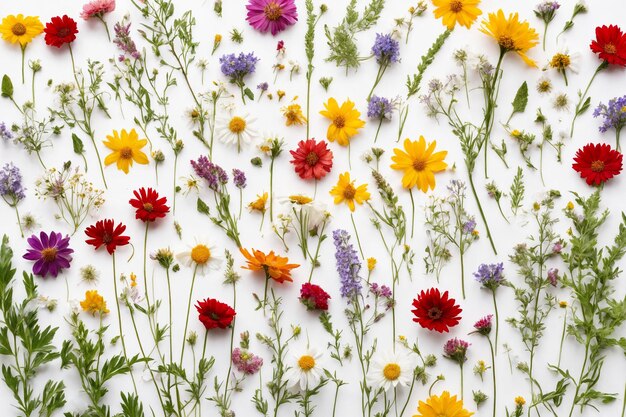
{"x": 597, "y": 163}
{"x": 60, "y": 30}
{"x": 312, "y": 159}
{"x": 148, "y": 204}
{"x": 610, "y": 45}
{"x": 314, "y": 297}
{"x": 214, "y": 314}
{"x": 434, "y": 311}
{"x": 103, "y": 233}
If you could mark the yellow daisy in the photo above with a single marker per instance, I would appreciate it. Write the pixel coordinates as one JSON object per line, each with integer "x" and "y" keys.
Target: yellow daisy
{"x": 419, "y": 163}
{"x": 463, "y": 12}
{"x": 345, "y": 122}
{"x": 20, "y": 29}
{"x": 442, "y": 406}
{"x": 126, "y": 147}
{"x": 260, "y": 204}
{"x": 94, "y": 303}
{"x": 345, "y": 191}
{"x": 293, "y": 115}
{"x": 511, "y": 34}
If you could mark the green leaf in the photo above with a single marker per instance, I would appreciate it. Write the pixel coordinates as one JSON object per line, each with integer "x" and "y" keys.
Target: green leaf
{"x": 7, "y": 87}
{"x": 202, "y": 207}
{"x": 79, "y": 148}
{"x": 521, "y": 98}
{"x": 517, "y": 191}
{"x": 249, "y": 93}
{"x": 583, "y": 108}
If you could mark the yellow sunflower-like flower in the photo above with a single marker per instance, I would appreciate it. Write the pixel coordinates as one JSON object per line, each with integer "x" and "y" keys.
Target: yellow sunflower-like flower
{"x": 442, "y": 406}
{"x": 463, "y": 12}
{"x": 344, "y": 121}
{"x": 293, "y": 115}
{"x": 511, "y": 34}
{"x": 345, "y": 191}
{"x": 419, "y": 163}
{"x": 260, "y": 204}
{"x": 126, "y": 147}
{"x": 94, "y": 303}
{"x": 20, "y": 29}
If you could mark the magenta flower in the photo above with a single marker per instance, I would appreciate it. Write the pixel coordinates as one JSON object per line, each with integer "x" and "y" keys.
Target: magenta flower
{"x": 51, "y": 253}
{"x": 246, "y": 362}
{"x": 97, "y": 8}
{"x": 483, "y": 326}
{"x": 271, "y": 15}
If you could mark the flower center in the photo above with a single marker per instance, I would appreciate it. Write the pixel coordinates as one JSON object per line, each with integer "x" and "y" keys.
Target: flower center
{"x": 339, "y": 122}
{"x": 349, "y": 192}
{"x": 63, "y": 32}
{"x": 456, "y": 6}
{"x": 506, "y": 42}
{"x": 623, "y": 109}
{"x": 419, "y": 164}
{"x": 107, "y": 238}
{"x": 306, "y": 362}
{"x": 312, "y": 158}
{"x": 435, "y": 313}
{"x": 391, "y": 371}
{"x": 609, "y": 48}
{"x": 560, "y": 61}
{"x": 597, "y": 166}
{"x": 237, "y": 125}
{"x": 49, "y": 254}
{"x": 126, "y": 153}
{"x": 272, "y": 11}
{"x": 148, "y": 207}
{"x": 200, "y": 254}
{"x": 18, "y": 29}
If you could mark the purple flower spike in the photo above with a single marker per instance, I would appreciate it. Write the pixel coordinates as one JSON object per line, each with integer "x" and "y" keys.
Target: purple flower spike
{"x": 51, "y": 253}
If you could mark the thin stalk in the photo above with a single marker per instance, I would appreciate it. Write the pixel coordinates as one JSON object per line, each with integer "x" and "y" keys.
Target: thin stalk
{"x": 23, "y": 62}
{"x": 495, "y": 307}
{"x": 558, "y": 365}
{"x": 337, "y": 394}
{"x": 581, "y": 101}
{"x": 174, "y": 191}
{"x": 490, "y": 111}
{"x": 493, "y": 371}
{"x": 580, "y": 378}
{"x": 193, "y": 282}
{"x": 356, "y": 232}
{"x": 412, "y": 212}
{"x": 461, "y": 381}
{"x": 380, "y": 123}
{"x": 19, "y": 221}
{"x": 482, "y": 214}
{"x": 462, "y": 273}
{"x": 272, "y": 190}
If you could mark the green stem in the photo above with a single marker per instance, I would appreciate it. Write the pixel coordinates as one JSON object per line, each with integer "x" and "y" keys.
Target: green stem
{"x": 461, "y": 381}
{"x": 545, "y": 34}
{"x": 356, "y": 232}
{"x": 463, "y": 274}
{"x": 193, "y": 282}
{"x": 412, "y": 212}
{"x": 482, "y": 214}
{"x": 495, "y": 307}
{"x": 23, "y": 63}
{"x": 337, "y": 395}
{"x": 490, "y": 111}
{"x": 580, "y": 379}
{"x": 617, "y": 134}
{"x": 145, "y": 273}
{"x": 380, "y": 123}
{"x": 169, "y": 298}
{"x": 32, "y": 88}
{"x": 19, "y": 221}
{"x": 272, "y": 190}
{"x": 581, "y": 101}
{"x": 558, "y": 364}
{"x": 308, "y": 99}
{"x": 493, "y": 371}
{"x": 174, "y": 191}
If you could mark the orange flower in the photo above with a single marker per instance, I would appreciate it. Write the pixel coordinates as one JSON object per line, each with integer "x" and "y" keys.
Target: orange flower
{"x": 274, "y": 266}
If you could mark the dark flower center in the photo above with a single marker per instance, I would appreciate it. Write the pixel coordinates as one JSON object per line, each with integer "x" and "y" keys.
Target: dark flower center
{"x": 560, "y": 61}
{"x": 597, "y": 166}
{"x": 107, "y": 238}
{"x": 126, "y": 153}
{"x": 312, "y": 158}
{"x": 148, "y": 207}
{"x": 63, "y": 32}
{"x": 214, "y": 316}
{"x": 506, "y": 42}
{"x": 349, "y": 192}
{"x": 272, "y": 11}
{"x": 609, "y": 48}
{"x": 456, "y": 6}
{"x": 434, "y": 313}
{"x": 339, "y": 122}
{"x": 18, "y": 29}
{"x": 419, "y": 164}
{"x": 49, "y": 254}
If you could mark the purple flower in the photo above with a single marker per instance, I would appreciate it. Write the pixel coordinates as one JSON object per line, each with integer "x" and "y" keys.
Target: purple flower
{"x": 237, "y": 67}
{"x": 386, "y": 49}
{"x": 483, "y": 326}
{"x": 379, "y": 108}
{"x": 348, "y": 264}
{"x": 456, "y": 349}
{"x": 457, "y": 189}
{"x": 11, "y": 188}
{"x": 263, "y": 87}
{"x": 380, "y": 290}
{"x": 546, "y": 10}
{"x": 553, "y": 276}
{"x": 613, "y": 114}
{"x": 5, "y": 132}
{"x": 211, "y": 172}
{"x": 491, "y": 276}
{"x": 239, "y": 178}
{"x": 124, "y": 42}
{"x": 51, "y": 253}
{"x": 246, "y": 362}
{"x": 469, "y": 226}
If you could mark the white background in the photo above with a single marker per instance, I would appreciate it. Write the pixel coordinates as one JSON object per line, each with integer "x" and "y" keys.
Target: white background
{"x": 92, "y": 43}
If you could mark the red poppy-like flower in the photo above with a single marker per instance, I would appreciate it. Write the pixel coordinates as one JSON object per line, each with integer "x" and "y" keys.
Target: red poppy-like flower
{"x": 314, "y": 297}
{"x": 610, "y": 45}
{"x": 148, "y": 204}
{"x": 60, "y": 30}
{"x": 214, "y": 314}
{"x": 597, "y": 163}
{"x": 312, "y": 159}
{"x": 104, "y": 232}
{"x": 434, "y": 311}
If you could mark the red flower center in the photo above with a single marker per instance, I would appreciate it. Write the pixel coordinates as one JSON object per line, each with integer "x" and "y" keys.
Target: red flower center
{"x": 434, "y": 313}
{"x": 49, "y": 254}
{"x": 18, "y": 29}
{"x": 148, "y": 207}
{"x": 107, "y": 238}
{"x": 312, "y": 158}
{"x": 63, "y": 32}
{"x": 456, "y": 6}
{"x": 609, "y": 48}
{"x": 597, "y": 166}
{"x": 272, "y": 11}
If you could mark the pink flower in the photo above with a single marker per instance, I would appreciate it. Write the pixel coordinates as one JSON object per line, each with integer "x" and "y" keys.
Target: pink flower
{"x": 97, "y": 8}
{"x": 271, "y": 15}
{"x": 246, "y": 362}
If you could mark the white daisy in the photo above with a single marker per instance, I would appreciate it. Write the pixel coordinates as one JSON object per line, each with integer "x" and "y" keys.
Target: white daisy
{"x": 201, "y": 257}
{"x": 303, "y": 206}
{"x": 236, "y": 129}
{"x": 389, "y": 370}
{"x": 305, "y": 370}
{"x": 564, "y": 61}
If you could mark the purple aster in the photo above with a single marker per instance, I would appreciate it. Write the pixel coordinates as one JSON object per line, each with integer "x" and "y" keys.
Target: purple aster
{"x": 271, "y": 15}
{"x": 237, "y": 67}
{"x": 491, "y": 276}
{"x": 483, "y": 326}
{"x": 124, "y": 42}
{"x": 5, "y": 132}
{"x": 51, "y": 253}
{"x": 212, "y": 173}
{"x": 263, "y": 87}
{"x": 469, "y": 226}
{"x": 386, "y": 49}
{"x": 546, "y": 10}
{"x": 239, "y": 178}
{"x": 456, "y": 349}
{"x": 348, "y": 264}
{"x": 11, "y": 188}
{"x": 379, "y": 108}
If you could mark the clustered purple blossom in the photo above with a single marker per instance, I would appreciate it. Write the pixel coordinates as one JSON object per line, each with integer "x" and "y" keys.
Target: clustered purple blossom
{"x": 263, "y": 87}
{"x": 237, "y": 67}
{"x": 380, "y": 290}
{"x": 490, "y": 275}
{"x": 613, "y": 113}
{"x": 386, "y": 49}
{"x": 379, "y": 108}
{"x": 348, "y": 264}
{"x": 124, "y": 42}
{"x": 553, "y": 276}
{"x": 546, "y": 10}
{"x": 5, "y": 132}
{"x": 456, "y": 349}
{"x": 246, "y": 362}
{"x": 212, "y": 173}
{"x": 239, "y": 178}
{"x": 469, "y": 226}
{"x": 457, "y": 189}
{"x": 483, "y": 326}
{"x": 11, "y": 187}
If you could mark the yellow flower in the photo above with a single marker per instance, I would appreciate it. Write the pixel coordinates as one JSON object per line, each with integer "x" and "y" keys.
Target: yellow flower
{"x": 419, "y": 163}
{"x": 345, "y": 191}
{"x": 442, "y": 406}
{"x": 511, "y": 34}
{"x": 280, "y": 94}
{"x": 371, "y": 264}
{"x": 20, "y": 28}
{"x": 293, "y": 115}
{"x": 126, "y": 148}
{"x": 259, "y": 204}
{"x": 516, "y": 133}
{"x": 463, "y": 12}
{"x": 218, "y": 38}
{"x": 570, "y": 205}
{"x": 300, "y": 199}
{"x": 563, "y": 304}
{"x": 94, "y": 303}
{"x": 345, "y": 121}
{"x": 133, "y": 279}
{"x": 520, "y": 401}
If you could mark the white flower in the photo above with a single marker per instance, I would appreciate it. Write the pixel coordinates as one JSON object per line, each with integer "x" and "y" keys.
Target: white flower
{"x": 305, "y": 370}
{"x": 306, "y": 209}
{"x": 564, "y": 60}
{"x": 390, "y": 370}
{"x": 201, "y": 257}
{"x": 236, "y": 129}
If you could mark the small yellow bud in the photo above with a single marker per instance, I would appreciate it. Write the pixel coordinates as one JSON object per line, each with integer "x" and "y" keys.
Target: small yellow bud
{"x": 570, "y": 205}
{"x": 371, "y": 263}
